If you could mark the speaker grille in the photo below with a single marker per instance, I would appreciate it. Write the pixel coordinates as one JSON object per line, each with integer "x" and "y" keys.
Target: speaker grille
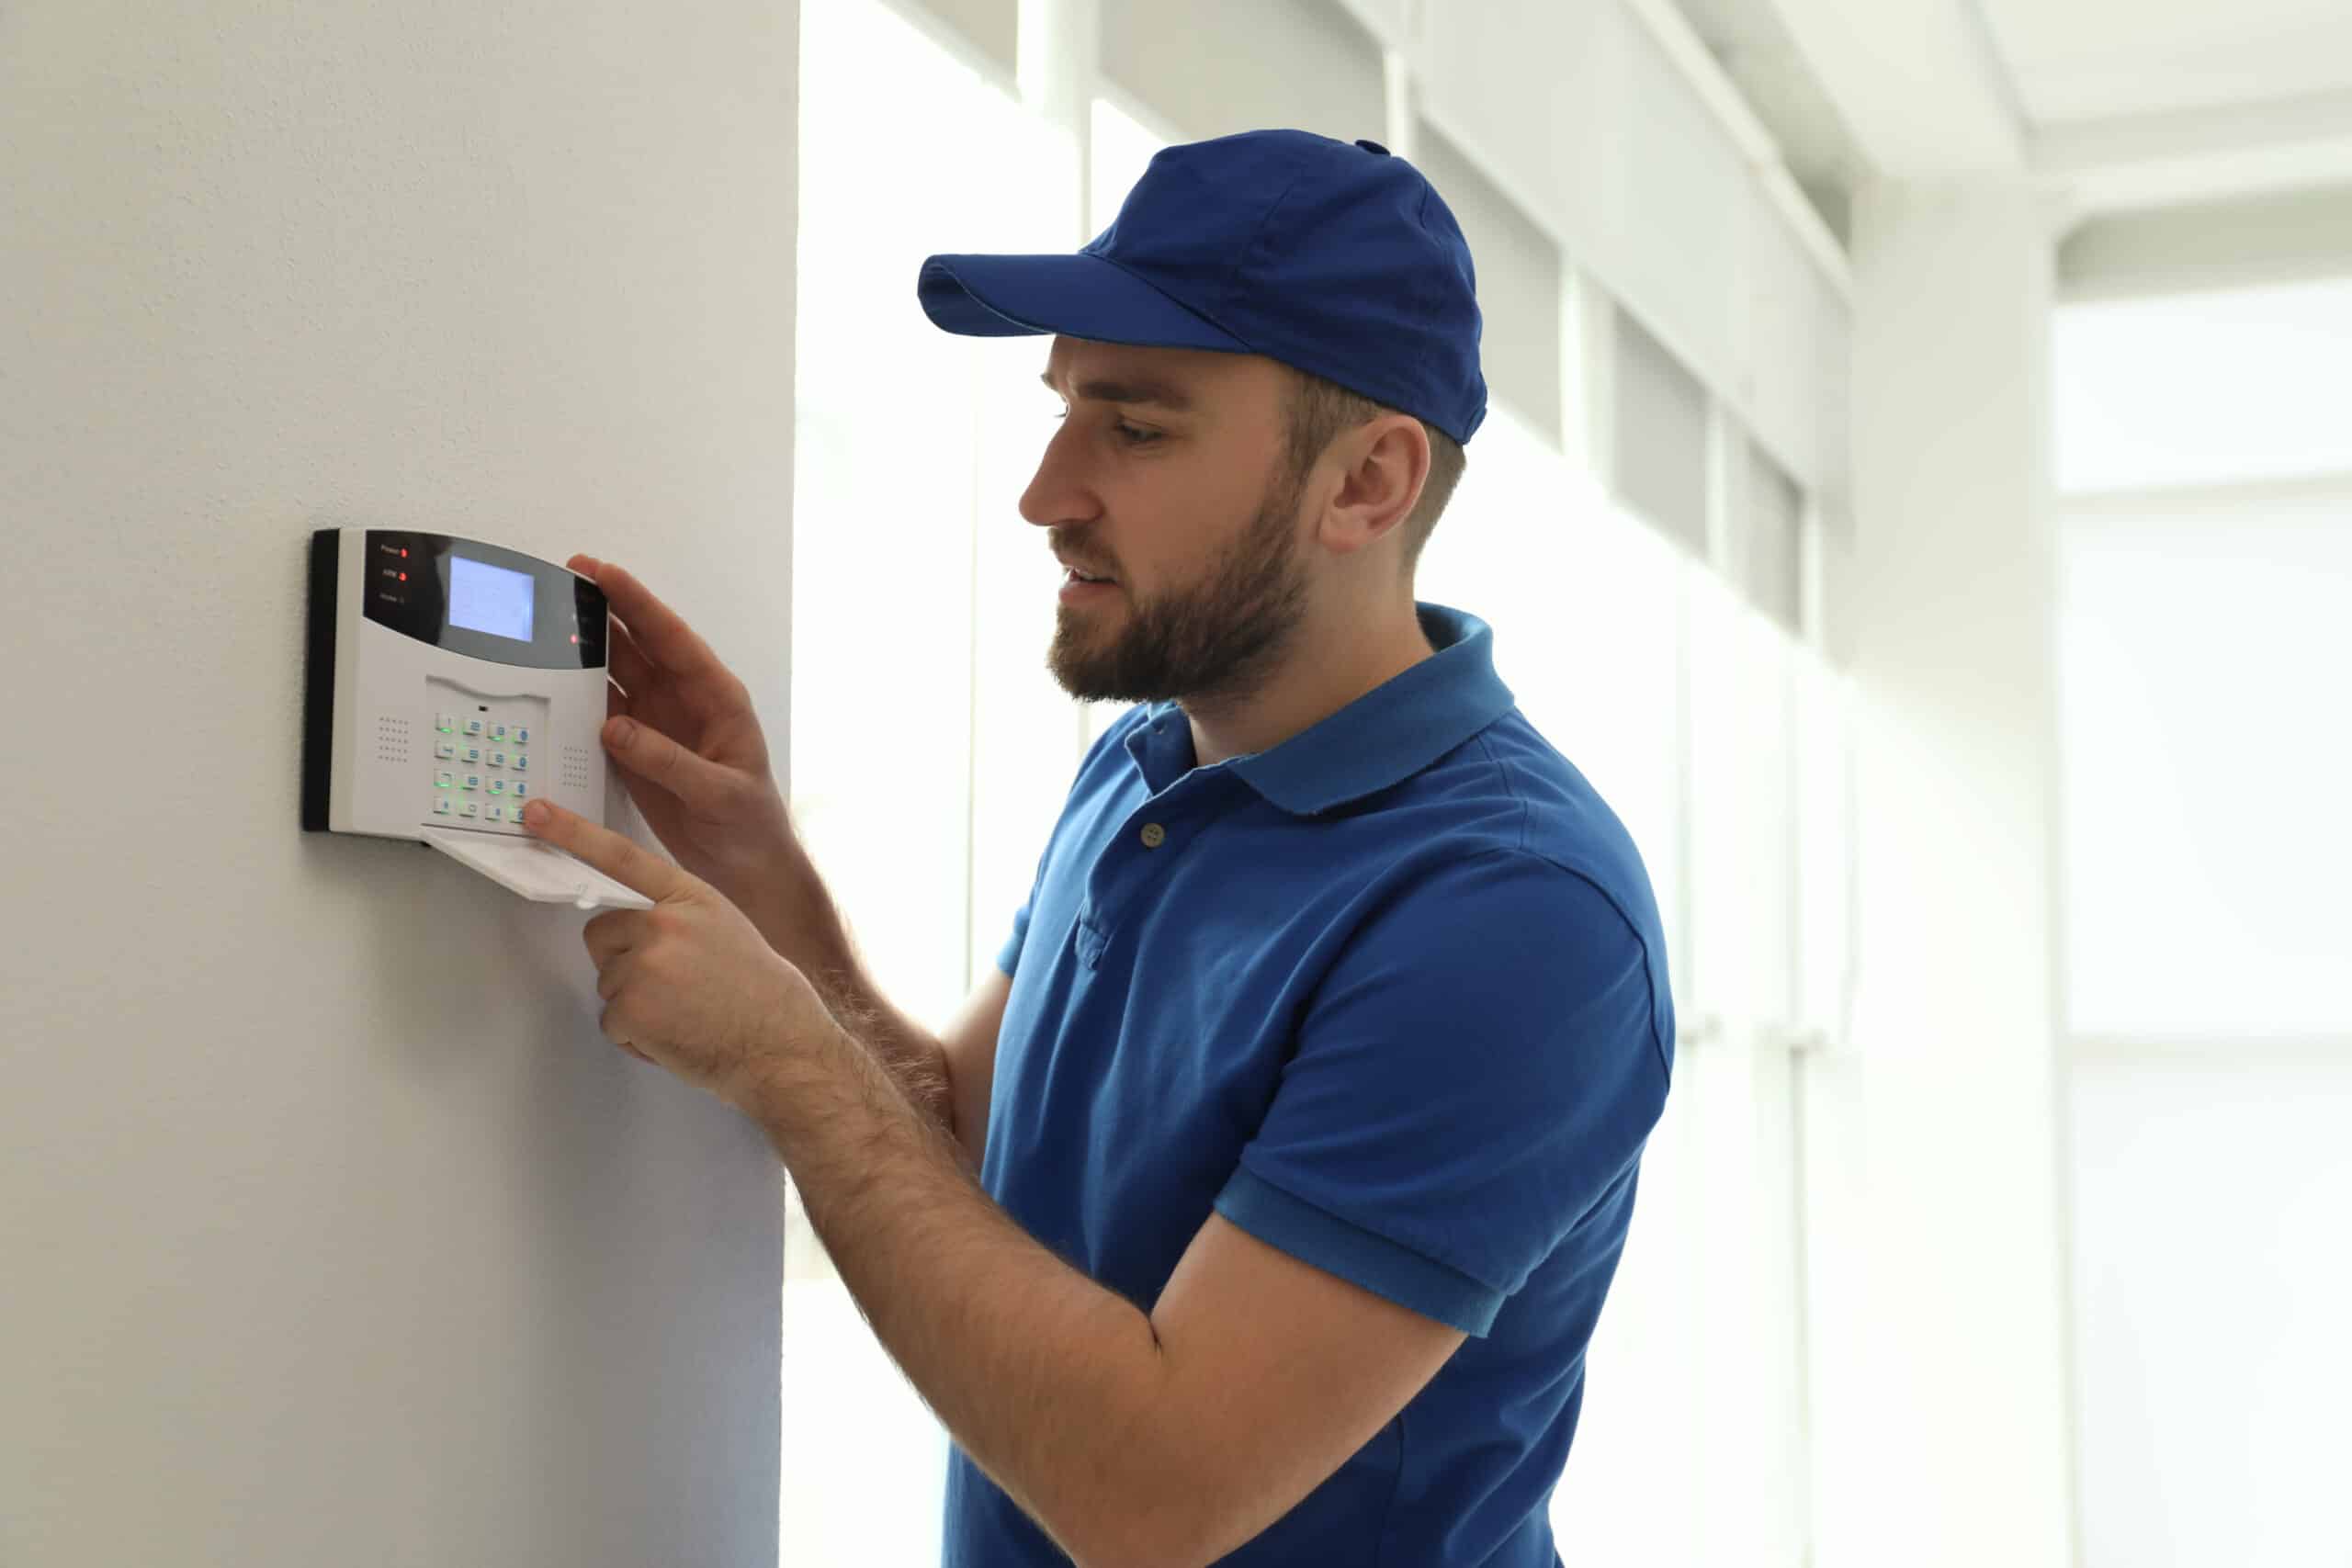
{"x": 391, "y": 739}
{"x": 575, "y": 767}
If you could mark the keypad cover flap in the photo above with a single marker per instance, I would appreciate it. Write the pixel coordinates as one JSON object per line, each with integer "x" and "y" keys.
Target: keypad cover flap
{"x": 536, "y": 869}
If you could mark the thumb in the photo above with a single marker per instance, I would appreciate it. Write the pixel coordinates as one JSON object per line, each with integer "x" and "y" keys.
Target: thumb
{"x": 654, "y": 757}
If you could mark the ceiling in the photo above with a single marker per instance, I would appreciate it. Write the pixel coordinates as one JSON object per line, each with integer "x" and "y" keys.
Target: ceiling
{"x": 2136, "y": 105}
{"x": 2078, "y": 60}
{"x": 2114, "y": 106}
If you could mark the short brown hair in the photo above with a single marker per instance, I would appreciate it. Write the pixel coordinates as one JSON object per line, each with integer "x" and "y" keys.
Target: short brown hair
{"x": 1318, "y": 410}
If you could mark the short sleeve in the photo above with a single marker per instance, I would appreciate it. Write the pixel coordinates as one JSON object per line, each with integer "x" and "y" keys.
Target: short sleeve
{"x": 1475, "y": 1074}
{"x": 1009, "y": 955}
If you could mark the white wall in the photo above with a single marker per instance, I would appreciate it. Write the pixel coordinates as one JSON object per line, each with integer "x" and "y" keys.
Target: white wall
{"x": 1945, "y": 1431}
{"x": 333, "y": 1230}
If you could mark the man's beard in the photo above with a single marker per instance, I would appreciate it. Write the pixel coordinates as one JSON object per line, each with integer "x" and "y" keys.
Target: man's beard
{"x": 1220, "y": 638}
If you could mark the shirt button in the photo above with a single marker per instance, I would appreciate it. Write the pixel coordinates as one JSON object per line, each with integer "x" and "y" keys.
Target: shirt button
{"x": 1153, "y": 835}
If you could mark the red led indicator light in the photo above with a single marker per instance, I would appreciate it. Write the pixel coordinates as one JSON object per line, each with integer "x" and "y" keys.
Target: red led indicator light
{"x": 403, "y": 575}
{"x": 575, "y": 637}
{"x": 403, "y": 555}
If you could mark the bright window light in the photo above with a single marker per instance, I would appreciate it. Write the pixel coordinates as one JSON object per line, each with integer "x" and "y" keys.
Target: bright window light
{"x": 2203, "y": 649}
{"x": 2203, "y": 388}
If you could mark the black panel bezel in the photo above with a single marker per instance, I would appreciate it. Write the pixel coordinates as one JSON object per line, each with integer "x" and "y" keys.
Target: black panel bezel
{"x": 317, "y": 679}
{"x": 568, "y": 609}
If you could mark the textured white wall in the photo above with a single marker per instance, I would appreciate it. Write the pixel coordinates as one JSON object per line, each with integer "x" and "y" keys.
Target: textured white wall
{"x": 331, "y": 1229}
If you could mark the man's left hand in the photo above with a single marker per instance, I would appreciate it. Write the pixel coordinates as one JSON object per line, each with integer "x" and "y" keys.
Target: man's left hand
{"x": 690, "y": 983}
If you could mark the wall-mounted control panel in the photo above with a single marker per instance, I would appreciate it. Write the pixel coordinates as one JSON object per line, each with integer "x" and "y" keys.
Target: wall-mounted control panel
{"x": 451, "y": 681}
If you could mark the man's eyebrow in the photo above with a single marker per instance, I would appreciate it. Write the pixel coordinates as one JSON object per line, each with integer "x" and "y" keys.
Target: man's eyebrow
{"x": 1161, "y": 394}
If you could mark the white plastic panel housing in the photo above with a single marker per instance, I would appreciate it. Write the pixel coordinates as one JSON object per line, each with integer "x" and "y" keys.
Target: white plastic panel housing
{"x": 378, "y": 715}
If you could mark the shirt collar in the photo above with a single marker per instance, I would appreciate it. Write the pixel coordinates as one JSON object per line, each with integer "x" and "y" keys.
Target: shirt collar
{"x": 1392, "y": 732}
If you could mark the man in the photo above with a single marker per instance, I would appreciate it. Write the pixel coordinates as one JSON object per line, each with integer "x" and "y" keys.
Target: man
{"x": 1307, "y": 1101}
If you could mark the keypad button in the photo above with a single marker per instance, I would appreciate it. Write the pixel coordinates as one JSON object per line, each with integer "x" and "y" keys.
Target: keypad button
{"x": 444, "y": 779}
{"x": 498, "y": 759}
{"x": 519, "y": 735}
{"x": 445, "y": 750}
{"x": 522, "y": 762}
{"x": 440, "y": 805}
{"x": 473, "y": 726}
{"x": 469, "y": 754}
{"x": 498, "y": 732}
{"x": 472, "y": 781}
{"x": 518, "y": 789}
{"x": 444, "y": 722}
{"x": 497, "y": 813}
{"x": 470, "y": 808}
{"x": 498, "y": 786}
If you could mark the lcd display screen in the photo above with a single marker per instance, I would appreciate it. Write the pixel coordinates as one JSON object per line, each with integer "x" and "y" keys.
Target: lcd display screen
{"x": 485, "y": 598}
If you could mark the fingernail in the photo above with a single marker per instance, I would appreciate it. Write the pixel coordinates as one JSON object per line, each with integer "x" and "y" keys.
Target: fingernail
{"x": 536, "y": 814}
{"x": 620, "y": 731}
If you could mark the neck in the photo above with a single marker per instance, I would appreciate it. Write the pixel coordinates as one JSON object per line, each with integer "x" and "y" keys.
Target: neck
{"x": 1330, "y": 665}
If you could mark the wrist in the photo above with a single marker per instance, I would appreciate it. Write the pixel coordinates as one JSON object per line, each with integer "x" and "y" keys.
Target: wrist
{"x": 762, "y": 1091}
{"x": 787, "y": 1084}
{"x": 788, "y": 903}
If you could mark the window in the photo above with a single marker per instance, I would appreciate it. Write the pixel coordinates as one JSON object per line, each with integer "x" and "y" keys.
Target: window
{"x": 1661, "y": 424}
{"x": 1215, "y": 67}
{"x": 2203, "y": 647}
{"x": 2205, "y": 624}
{"x": 1708, "y": 1402}
{"x": 2204, "y": 632}
{"x": 1518, "y": 268}
{"x": 2221, "y": 387}
{"x": 916, "y": 587}
{"x": 1768, "y": 518}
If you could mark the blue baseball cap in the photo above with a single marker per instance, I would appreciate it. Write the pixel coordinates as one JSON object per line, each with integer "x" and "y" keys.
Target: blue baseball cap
{"x": 1335, "y": 258}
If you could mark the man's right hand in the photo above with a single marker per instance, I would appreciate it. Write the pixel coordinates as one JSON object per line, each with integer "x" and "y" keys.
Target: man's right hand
{"x": 697, "y": 765}
{"x": 680, "y": 729}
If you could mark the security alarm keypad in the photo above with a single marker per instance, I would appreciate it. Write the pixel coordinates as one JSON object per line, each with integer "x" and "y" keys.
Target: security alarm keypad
{"x": 482, "y": 767}
{"x": 452, "y": 682}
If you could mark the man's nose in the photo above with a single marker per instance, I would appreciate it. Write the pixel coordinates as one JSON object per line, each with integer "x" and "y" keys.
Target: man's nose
{"x": 1057, "y": 492}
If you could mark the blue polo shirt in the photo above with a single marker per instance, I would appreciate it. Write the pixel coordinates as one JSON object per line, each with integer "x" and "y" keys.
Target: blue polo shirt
{"x": 1390, "y": 996}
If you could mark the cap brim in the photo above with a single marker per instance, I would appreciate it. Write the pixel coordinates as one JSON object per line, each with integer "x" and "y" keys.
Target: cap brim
{"x": 1074, "y": 295}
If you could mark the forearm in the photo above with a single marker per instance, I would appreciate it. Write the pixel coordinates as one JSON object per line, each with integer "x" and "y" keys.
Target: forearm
{"x": 1055, "y": 1386}
{"x": 797, "y": 916}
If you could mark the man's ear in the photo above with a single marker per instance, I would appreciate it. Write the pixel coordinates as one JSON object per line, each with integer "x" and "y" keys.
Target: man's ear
{"x": 1387, "y": 463}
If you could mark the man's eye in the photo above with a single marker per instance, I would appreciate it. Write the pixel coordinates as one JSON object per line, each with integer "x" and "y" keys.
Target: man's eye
{"x": 1130, "y": 434}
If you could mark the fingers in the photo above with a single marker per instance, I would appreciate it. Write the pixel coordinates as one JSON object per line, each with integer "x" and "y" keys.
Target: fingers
{"x": 660, "y": 633}
{"x": 621, "y": 859}
{"x": 609, "y": 935}
{"x": 627, "y": 664}
{"x": 610, "y": 1031}
{"x": 653, "y": 756}
{"x": 608, "y": 938}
